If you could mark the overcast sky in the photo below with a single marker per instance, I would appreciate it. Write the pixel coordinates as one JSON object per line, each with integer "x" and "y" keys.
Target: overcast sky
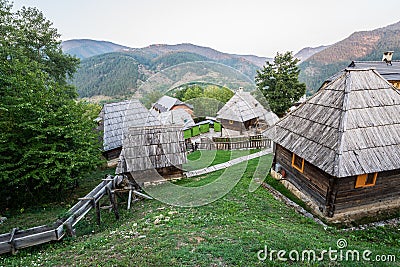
{"x": 258, "y": 27}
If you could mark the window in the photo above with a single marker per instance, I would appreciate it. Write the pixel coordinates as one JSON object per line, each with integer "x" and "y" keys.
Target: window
{"x": 365, "y": 180}
{"x": 298, "y": 163}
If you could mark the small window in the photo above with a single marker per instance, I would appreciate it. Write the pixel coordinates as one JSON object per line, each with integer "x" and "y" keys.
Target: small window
{"x": 230, "y": 122}
{"x": 365, "y": 180}
{"x": 298, "y": 163}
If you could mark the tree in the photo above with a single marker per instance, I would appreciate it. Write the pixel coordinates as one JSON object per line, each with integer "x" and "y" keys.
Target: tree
{"x": 194, "y": 91}
{"x": 47, "y": 141}
{"x": 221, "y": 94}
{"x": 279, "y": 83}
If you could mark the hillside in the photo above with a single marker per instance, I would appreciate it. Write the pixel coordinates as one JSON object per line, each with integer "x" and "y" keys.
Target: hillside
{"x": 227, "y": 232}
{"x": 112, "y": 74}
{"x": 307, "y": 52}
{"x": 363, "y": 45}
{"x": 120, "y": 74}
{"x": 85, "y": 48}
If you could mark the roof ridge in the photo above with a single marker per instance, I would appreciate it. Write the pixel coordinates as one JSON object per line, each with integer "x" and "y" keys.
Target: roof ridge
{"x": 342, "y": 125}
{"x": 373, "y": 61}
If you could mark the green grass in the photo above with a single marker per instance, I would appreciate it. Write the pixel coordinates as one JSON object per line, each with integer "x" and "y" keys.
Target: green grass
{"x": 46, "y": 214}
{"x": 205, "y": 158}
{"x": 227, "y": 232}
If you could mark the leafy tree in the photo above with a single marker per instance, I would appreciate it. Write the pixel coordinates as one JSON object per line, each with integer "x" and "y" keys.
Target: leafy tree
{"x": 221, "y": 94}
{"x": 193, "y": 92}
{"x": 279, "y": 83}
{"x": 47, "y": 140}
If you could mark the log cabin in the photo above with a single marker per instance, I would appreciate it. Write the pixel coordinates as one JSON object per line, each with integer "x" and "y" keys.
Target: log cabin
{"x": 340, "y": 150}
{"x": 114, "y": 121}
{"x": 148, "y": 151}
{"x": 243, "y": 112}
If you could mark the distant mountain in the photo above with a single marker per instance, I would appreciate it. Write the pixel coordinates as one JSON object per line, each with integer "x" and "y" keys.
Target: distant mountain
{"x": 160, "y": 49}
{"x": 113, "y": 74}
{"x": 363, "y": 45}
{"x": 118, "y": 71}
{"x": 85, "y": 48}
{"x": 307, "y": 52}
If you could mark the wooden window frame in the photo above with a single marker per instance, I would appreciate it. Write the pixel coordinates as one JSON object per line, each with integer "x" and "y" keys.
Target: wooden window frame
{"x": 300, "y": 169}
{"x": 361, "y": 180}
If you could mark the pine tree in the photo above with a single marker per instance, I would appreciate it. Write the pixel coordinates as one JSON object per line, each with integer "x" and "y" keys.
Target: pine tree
{"x": 279, "y": 83}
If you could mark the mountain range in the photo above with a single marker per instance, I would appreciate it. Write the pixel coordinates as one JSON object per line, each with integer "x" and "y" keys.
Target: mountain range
{"x": 116, "y": 71}
{"x": 113, "y": 70}
{"x": 362, "y": 45}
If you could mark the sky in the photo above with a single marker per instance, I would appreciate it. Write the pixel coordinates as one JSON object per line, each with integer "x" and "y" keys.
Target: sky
{"x": 256, "y": 27}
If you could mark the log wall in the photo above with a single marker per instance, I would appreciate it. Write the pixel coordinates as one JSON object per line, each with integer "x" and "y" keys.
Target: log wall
{"x": 387, "y": 187}
{"x": 113, "y": 153}
{"x": 313, "y": 181}
{"x": 337, "y": 198}
{"x": 235, "y": 125}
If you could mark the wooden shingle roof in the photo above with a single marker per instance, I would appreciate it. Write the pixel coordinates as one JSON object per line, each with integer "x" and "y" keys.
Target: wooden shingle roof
{"x": 387, "y": 71}
{"x": 165, "y": 103}
{"x": 350, "y": 127}
{"x": 390, "y": 72}
{"x": 177, "y": 117}
{"x": 118, "y": 117}
{"x": 147, "y": 148}
{"x": 243, "y": 107}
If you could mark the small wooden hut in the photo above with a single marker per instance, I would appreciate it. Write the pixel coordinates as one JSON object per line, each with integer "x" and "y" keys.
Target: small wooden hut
{"x": 116, "y": 118}
{"x": 340, "y": 150}
{"x": 160, "y": 148}
{"x": 243, "y": 112}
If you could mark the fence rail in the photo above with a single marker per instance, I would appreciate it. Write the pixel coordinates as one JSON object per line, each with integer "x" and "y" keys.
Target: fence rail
{"x": 18, "y": 239}
{"x": 234, "y": 143}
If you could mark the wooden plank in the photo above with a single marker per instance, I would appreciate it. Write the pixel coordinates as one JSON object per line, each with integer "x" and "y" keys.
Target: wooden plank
{"x": 35, "y": 239}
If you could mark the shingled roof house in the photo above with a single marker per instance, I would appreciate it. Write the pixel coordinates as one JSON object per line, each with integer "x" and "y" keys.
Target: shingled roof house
{"x": 340, "y": 150}
{"x": 243, "y": 111}
{"x": 116, "y": 118}
{"x": 151, "y": 150}
{"x": 167, "y": 103}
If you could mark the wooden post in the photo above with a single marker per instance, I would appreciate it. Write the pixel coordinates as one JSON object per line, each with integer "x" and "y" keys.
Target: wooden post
{"x": 12, "y": 241}
{"x": 129, "y": 199}
{"x": 111, "y": 196}
{"x": 70, "y": 229}
{"x": 97, "y": 206}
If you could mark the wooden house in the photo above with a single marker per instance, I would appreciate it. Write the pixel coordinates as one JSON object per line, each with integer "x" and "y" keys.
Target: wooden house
{"x": 115, "y": 120}
{"x": 167, "y": 103}
{"x": 340, "y": 150}
{"x": 243, "y": 112}
{"x": 151, "y": 150}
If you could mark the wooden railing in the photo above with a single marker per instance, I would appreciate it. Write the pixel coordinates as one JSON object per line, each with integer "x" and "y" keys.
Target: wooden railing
{"x": 220, "y": 143}
{"x": 18, "y": 239}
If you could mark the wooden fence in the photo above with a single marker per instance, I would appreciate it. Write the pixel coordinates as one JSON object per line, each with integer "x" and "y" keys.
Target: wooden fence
{"x": 18, "y": 239}
{"x": 222, "y": 143}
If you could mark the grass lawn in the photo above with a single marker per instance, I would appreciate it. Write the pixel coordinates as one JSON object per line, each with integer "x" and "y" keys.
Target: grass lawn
{"x": 227, "y": 232}
{"x": 205, "y": 158}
